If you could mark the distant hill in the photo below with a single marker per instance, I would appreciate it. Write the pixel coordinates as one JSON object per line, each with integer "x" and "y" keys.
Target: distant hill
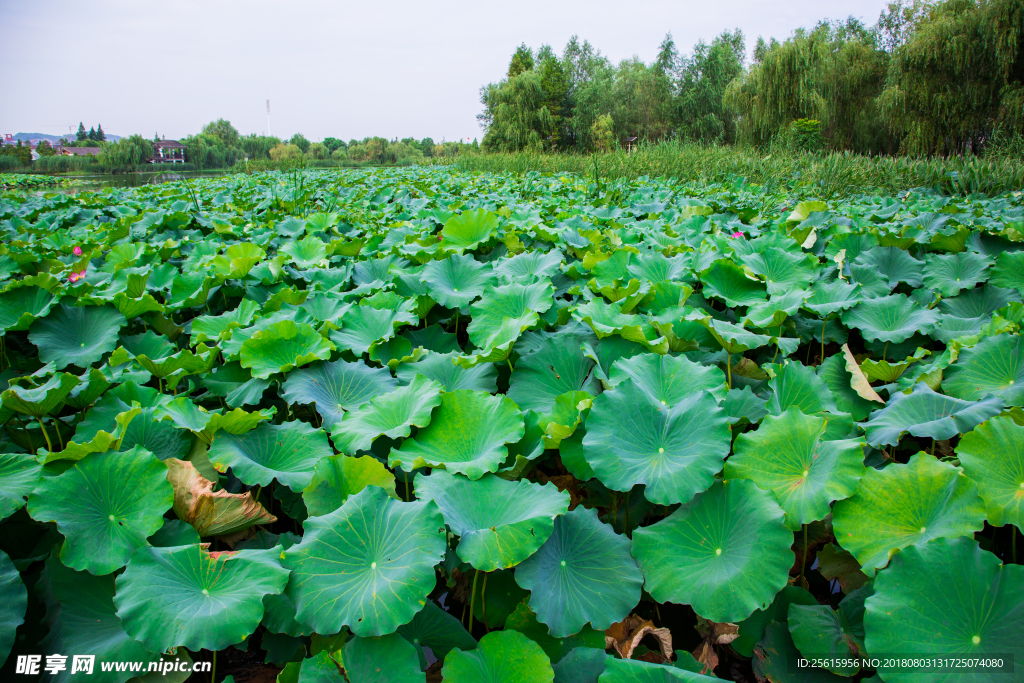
{"x": 56, "y": 138}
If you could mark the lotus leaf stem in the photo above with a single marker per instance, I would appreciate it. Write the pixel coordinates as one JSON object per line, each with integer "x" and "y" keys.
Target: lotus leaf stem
{"x": 213, "y": 668}
{"x": 728, "y": 367}
{"x": 803, "y": 557}
{"x": 46, "y": 436}
{"x": 472, "y": 600}
{"x": 483, "y": 602}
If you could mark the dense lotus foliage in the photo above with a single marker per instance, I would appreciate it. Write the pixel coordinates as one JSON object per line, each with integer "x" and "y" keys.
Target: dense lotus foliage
{"x": 399, "y": 425}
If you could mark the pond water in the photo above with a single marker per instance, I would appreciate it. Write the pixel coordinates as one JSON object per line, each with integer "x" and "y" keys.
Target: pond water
{"x": 100, "y": 181}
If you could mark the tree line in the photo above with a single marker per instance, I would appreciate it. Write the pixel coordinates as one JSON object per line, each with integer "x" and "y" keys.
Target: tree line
{"x": 220, "y": 145}
{"x": 928, "y": 78}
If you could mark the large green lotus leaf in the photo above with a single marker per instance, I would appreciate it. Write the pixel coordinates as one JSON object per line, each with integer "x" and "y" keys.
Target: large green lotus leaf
{"x": 776, "y": 310}
{"x": 184, "y": 362}
{"x": 751, "y": 629}
{"x": 85, "y": 622}
{"x": 170, "y": 597}
{"x": 337, "y": 477}
{"x": 782, "y": 270}
{"x": 392, "y": 415}
{"x": 557, "y": 367}
{"x": 282, "y": 347}
{"x": 336, "y": 387}
{"x": 467, "y": 435}
{"x": 443, "y": 368}
{"x": 525, "y": 621}
{"x": 830, "y": 297}
{"x": 500, "y": 523}
{"x": 904, "y": 505}
{"x": 286, "y": 452}
{"x": 819, "y": 630}
{"x": 583, "y": 573}
{"x": 504, "y": 312}
{"x": 382, "y": 660}
{"x": 790, "y": 456}
{"x": 776, "y": 659}
{"x": 440, "y": 631}
{"x": 13, "y": 603}
{"x": 993, "y": 457}
{"x": 926, "y": 413}
{"x": 1008, "y": 271}
{"x": 995, "y": 366}
{"x": 468, "y": 229}
{"x": 727, "y": 281}
{"x": 433, "y": 338}
{"x": 981, "y": 617}
{"x": 733, "y": 338}
{"x": 892, "y": 318}
{"x": 39, "y": 401}
{"x": 366, "y": 325}
{"x": 669, "y": 379}
{"x": 307, "y": 252}
{"x": 636, "y": 671}
{"x": 608, "y": 319}
{"x": 501, "y": 657}
{"x": 794, "y": 385}
{"x": 456, "y": 281}
{"x": 894, "y": 264}
{"x": 106, "y": 506}
{"x": 368, "y": 565}
{"x": 676, "y": 451}
{"x": 211, "y": 513}
{"x": 19, "y": 474}
{"x": 20, "y": 306}
{"x": 531, "y": 266}
{"x": 214, "y": 327}
{"x": 726, "y": 553}
{"x": 979, "y": 302}
{"x": 581, "y": 665}
{"x": 949, "y": 273}
{"x": 76, "y": 336}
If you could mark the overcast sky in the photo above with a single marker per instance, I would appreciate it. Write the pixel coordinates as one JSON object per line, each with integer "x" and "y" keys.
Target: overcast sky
{"x": 330, "y": 67}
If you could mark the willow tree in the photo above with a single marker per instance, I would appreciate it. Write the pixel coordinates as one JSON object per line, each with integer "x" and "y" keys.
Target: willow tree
{"x": 516, "y": 115}
{"x": 958, "y": 77}
{"x": 832, "y": 73}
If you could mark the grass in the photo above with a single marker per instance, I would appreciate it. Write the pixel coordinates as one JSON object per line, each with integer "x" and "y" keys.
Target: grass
{"x": 803, "y": 173}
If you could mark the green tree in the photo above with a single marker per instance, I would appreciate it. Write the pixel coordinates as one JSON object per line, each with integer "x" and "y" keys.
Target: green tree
{"x": 318, "y": 150}
{"x": 522, "y": 61}
{"x": 642, "y": 101}
{"x": 127, "y": 154}
{"x": 958, "y": 77}
{"x": 427, "y": 147}
{"x": 300, "y": 141}
{"x": 555, "y": 82}
{"x": 222, "y": 131}
{"x": 45, "y": 149}
{"x": 92, "y": 134}
{"x": 705, "y": 75}
{"x": 667, "y": 61}
{"x": 100, "y": 135}
{"x": 832, "y": 74}
{"x": 283, "y": 152}
{"x": 257, "y": 146}
{"x": 516, "y": 114}
{"x": 82, "y": 134}
{"x": 333, "y": 144}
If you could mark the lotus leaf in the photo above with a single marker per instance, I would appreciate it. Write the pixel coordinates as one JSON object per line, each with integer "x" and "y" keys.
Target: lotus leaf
{"x": 282, "y": 347}
{"x": 904, "y": 505}
{"x": 993, "y": 457}
{"x": 466, "y": 435}
{"x": 924, "y": 412}
{"x": 726, "y": 553}
{"x": 675, "y": 451}
{"x": 368, "y": 565}
{"x": 336, "y": 387}
{"x": 501, "y": 657}
{"x": 392, "y": 415}
{"x": 287, "y": 452}
{"x": 79, "y": 336}
{"x": 337, "y": 477}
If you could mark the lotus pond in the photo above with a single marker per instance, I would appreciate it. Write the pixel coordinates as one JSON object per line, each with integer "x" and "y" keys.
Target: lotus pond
{"x": 414, "y": 425}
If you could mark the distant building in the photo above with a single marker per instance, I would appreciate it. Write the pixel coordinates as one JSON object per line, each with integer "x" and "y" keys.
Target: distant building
{"x": 168, "y": 152}
{"x": 80, "y": 151}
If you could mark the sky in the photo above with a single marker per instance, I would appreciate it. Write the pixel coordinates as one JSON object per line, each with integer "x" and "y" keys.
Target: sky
{"x": 331, "y": 68}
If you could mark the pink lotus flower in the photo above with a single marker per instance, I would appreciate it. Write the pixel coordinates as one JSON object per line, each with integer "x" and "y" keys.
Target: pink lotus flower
{"x": 75, "y": 277}
{"x": 736, "y": 234}
{"x": 77, "y": 251}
